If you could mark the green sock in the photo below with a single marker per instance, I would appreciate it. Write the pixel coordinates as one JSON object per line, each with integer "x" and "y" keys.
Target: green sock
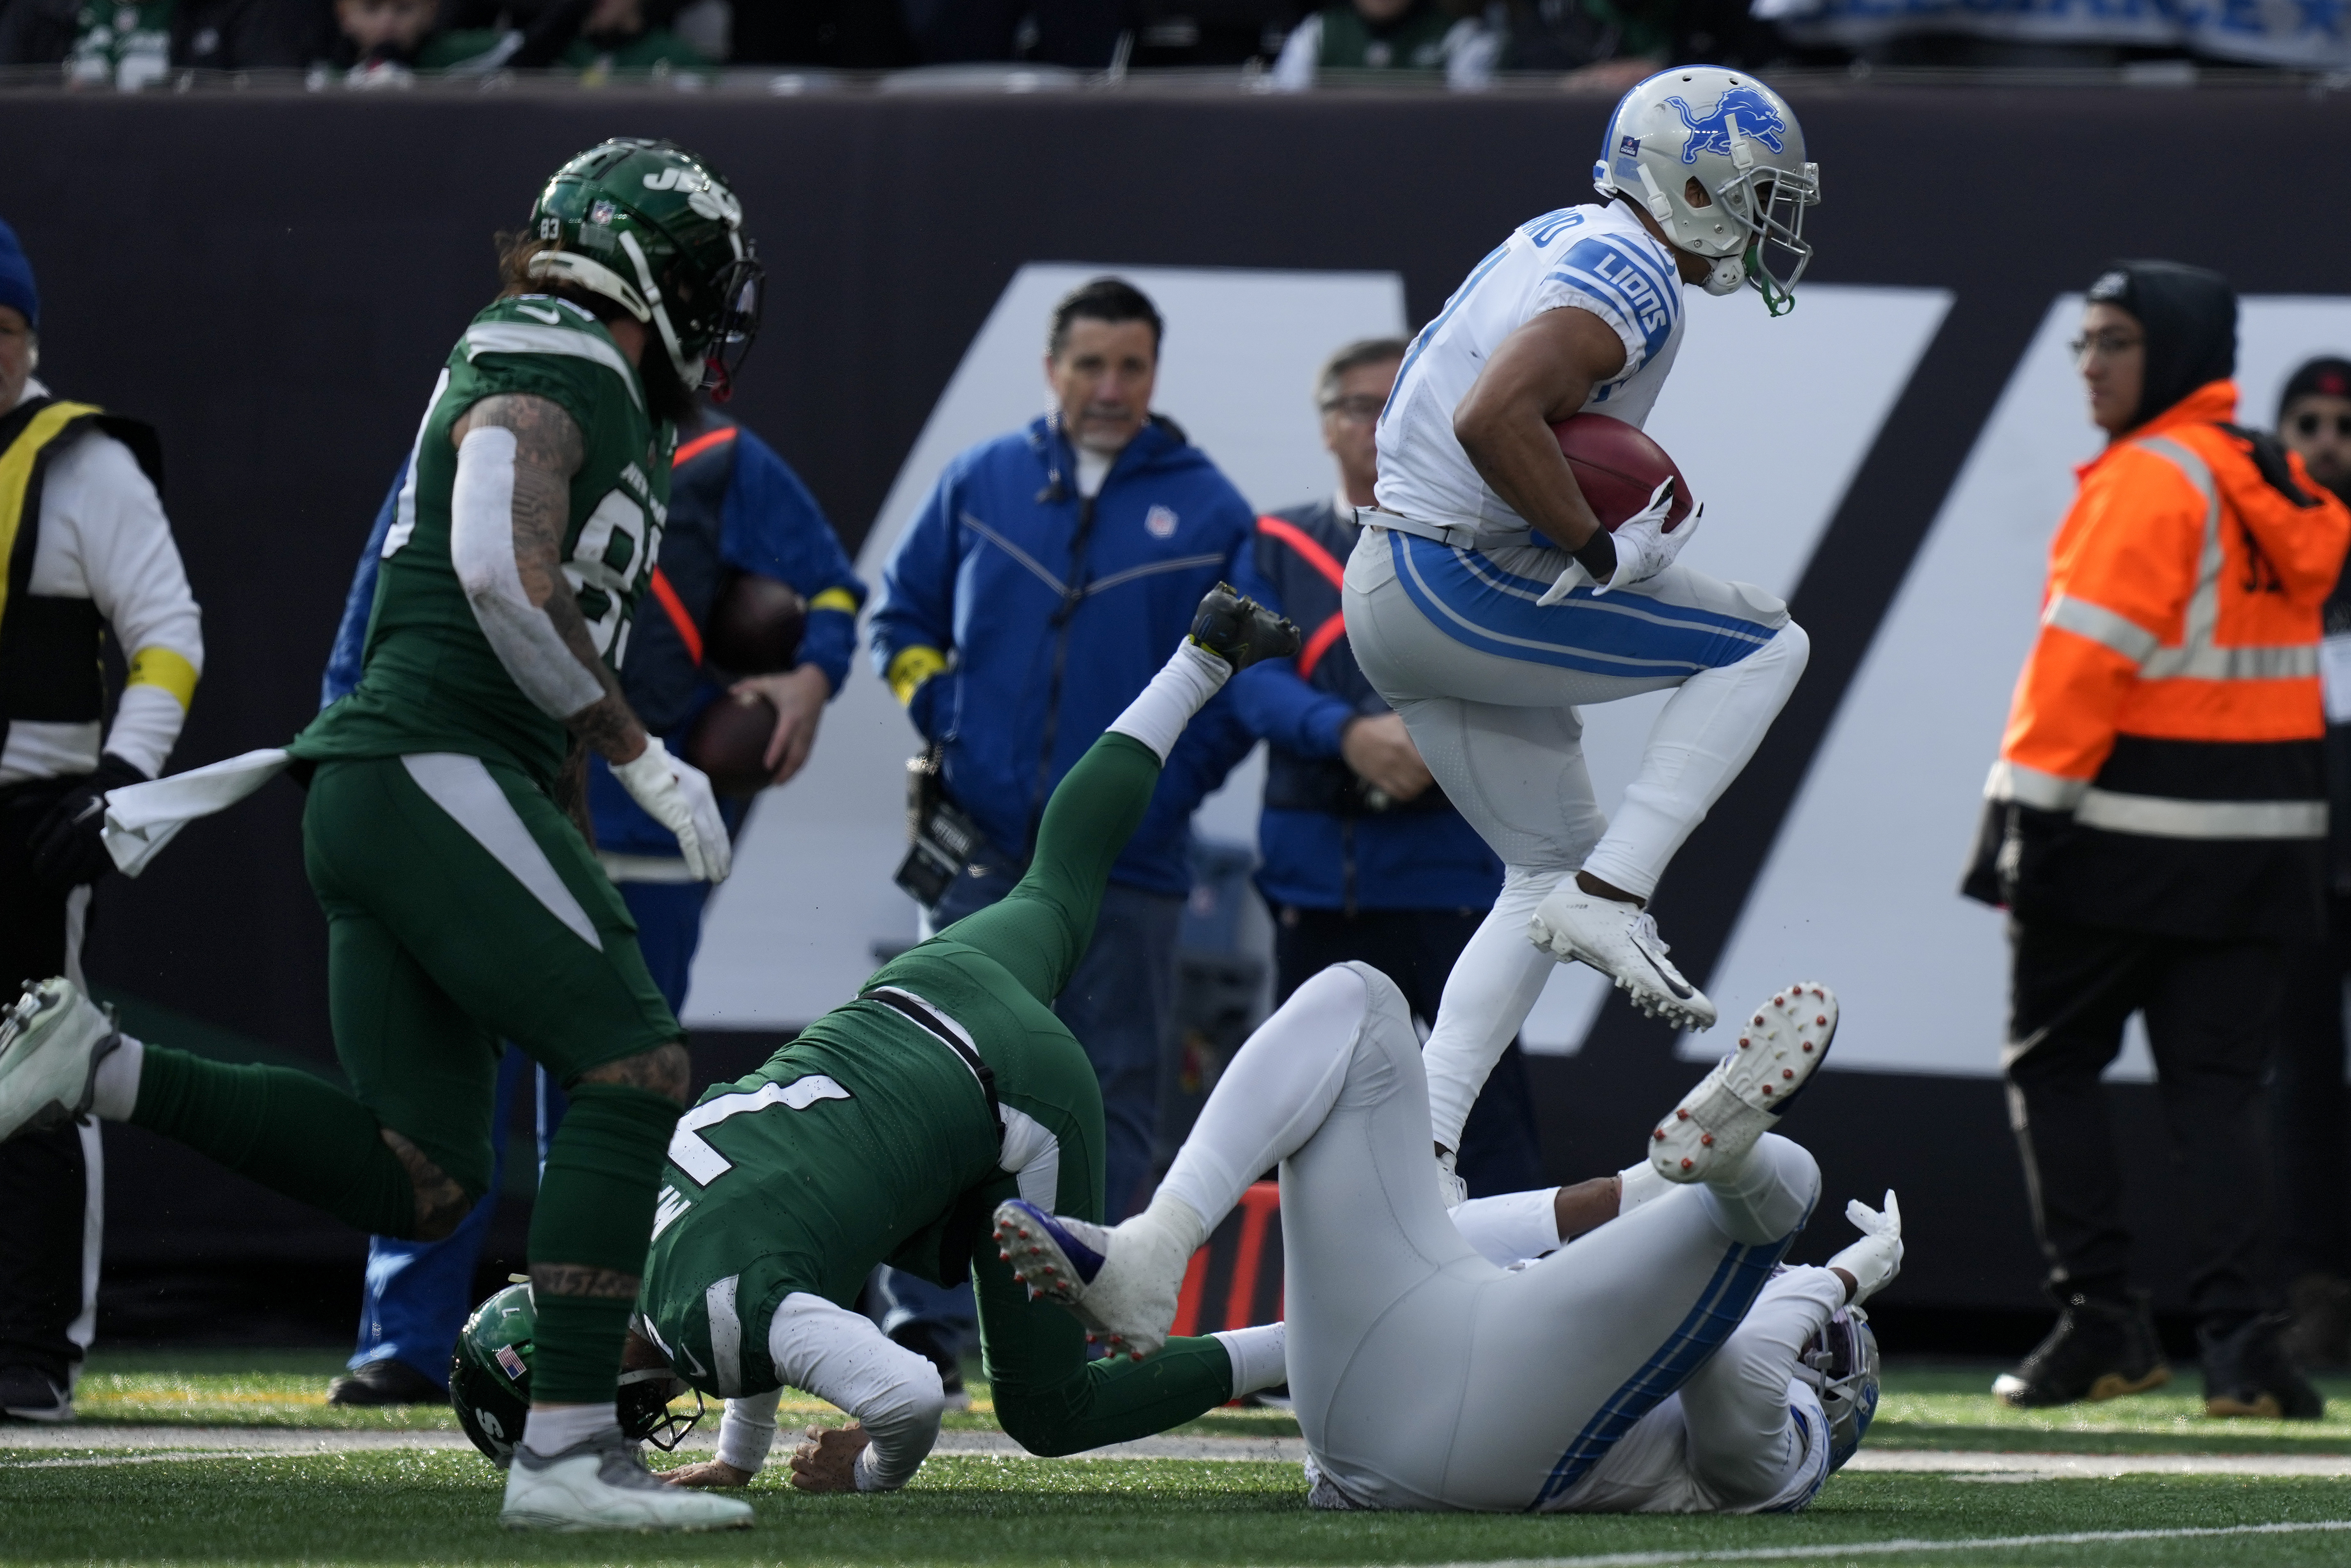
{"x": 595, "y": 1208}
{"x": 286, "y": 1129}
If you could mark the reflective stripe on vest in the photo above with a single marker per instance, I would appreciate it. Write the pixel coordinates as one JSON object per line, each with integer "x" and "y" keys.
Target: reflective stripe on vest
{"x": 16, "y": 465}
{"x": 2198, "y": 656}
{"x": 2153, "y": 815}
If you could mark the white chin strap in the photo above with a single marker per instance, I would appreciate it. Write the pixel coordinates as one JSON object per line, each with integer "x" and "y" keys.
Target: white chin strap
{"x": 689, "y": 371}
{"x": 1727, "y": 275}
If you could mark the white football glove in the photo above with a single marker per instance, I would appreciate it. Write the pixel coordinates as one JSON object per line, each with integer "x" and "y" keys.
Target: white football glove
{"x": 1644, "y": 549}
{"x": 1877, "y": 1258}
{"x": 677, "y": 795}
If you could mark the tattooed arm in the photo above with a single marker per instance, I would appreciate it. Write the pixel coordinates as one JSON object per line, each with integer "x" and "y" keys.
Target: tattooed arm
{"x": 515, "y": 456}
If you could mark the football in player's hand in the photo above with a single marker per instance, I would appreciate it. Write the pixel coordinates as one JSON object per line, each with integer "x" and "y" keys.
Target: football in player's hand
{"x": 1619, "y": 468}
{"x": 754, "y": 625}
{"x": 730, "y": 742}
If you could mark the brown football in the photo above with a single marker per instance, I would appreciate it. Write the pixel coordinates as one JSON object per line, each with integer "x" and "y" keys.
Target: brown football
{"x": 754, "y": 625}
{"x": 730, "y": 742}
{"x": 1618, "y": 468}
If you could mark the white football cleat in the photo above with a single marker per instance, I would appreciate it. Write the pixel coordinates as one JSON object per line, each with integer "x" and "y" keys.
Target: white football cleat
{"x": 1620, "y": 941}
{"x": 603, "y": 1484}
{"x": 1780, "y": 1047}
{"x": 1877, "y": 1258}
{"x": 51, "y": 1042}
{"x": 1121, "y": 1282}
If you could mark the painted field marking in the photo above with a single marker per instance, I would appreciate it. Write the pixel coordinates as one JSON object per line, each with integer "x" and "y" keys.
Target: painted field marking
{"x": 1891, "y": 1548}
{"x": 148, "y": 1458}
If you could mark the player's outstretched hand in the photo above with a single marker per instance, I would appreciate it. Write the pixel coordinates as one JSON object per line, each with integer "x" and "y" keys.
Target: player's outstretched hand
{"x": 828, "y": 1461}
{"x": 708, "y": 1473}
{"x": 1872, "y": 1262}
{"x": 677, "y": 795}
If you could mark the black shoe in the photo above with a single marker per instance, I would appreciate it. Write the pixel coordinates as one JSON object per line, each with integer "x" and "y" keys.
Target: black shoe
{"x": 2320, "y": 1337}
{"x": 930, "y": 1342}
{"x": 2248, "y": 1373}
{"x": 1241, "y": 632}
{"x": 28, "y": 1394}
{"x": 2099, "y": 1350}
{"x": 387, "y": 1380}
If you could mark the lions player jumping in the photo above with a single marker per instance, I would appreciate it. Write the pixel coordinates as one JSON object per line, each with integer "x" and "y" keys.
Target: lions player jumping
{"x": 1486, "y": 602}
{"x": 1659, "y": 1363}
{"x": 462, "y": 906}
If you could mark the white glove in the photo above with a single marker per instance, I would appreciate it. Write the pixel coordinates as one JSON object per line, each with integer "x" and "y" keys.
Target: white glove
{"x": 1450, "y": 1186}
{"x": 677, "y": 795}
{"x": 1877, "y": 1258}
{"x": 1644, "y": 549}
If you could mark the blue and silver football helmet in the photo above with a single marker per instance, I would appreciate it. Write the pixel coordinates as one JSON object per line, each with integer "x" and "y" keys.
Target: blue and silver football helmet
{"x": 1841, "y": 1364}
{"x": 1734, "y": 144}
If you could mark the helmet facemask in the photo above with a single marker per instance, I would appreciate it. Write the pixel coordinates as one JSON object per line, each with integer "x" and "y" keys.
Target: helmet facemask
{"x": 643, "y": 1405}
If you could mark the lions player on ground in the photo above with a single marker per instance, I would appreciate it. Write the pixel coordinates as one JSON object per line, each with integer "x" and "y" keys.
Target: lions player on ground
{"x": 889, "y": 1130}
{"x": 1661, "y": 1361}
{"x": 1486, "y": 602}
{"x": 462, "y": 906}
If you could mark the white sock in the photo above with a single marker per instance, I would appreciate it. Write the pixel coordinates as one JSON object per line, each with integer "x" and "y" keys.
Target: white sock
{"x": 1273, "y": 1096}
{"x": 547, "y": 1433}
{"x": 1493, "y": 987}
{"x": 1638, "y": 1185}
{"x": 1177, "y": 1220}
{"x": 1180, "y": 689}
{"x": 115, "y": 1090}
{"x": 1260, "y": 1357}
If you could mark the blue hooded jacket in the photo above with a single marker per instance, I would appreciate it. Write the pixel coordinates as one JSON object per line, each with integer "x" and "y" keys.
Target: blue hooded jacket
{"x": 1055, "y": 613}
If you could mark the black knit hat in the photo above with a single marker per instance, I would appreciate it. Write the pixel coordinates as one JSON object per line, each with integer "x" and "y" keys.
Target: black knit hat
{"x": 2189, "y": 316}
{"x": 2325, "y": 376}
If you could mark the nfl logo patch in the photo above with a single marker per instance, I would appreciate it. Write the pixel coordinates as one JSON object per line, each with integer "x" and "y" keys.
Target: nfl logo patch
{"x": 1159, "y": 523}
{"x": 1628, "y": 147}
{"x": 511, "y": 1361}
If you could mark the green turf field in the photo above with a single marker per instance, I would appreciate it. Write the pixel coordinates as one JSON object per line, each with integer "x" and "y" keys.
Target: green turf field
{"x": 79, "y": 1505}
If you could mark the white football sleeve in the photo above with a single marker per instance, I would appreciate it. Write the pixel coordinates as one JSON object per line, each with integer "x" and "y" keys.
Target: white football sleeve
{"x": 482, "y": 549}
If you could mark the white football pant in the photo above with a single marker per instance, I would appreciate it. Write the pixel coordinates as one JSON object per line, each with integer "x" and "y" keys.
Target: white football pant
{"x": 1494, "y": 717}
{"x": 1427, "y": 1378}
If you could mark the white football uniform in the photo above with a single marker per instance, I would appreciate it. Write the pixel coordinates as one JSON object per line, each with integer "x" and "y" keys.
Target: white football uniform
{"x": 1425, "y": 1376}
{"x": 1596, "y": 259}
{"x": 1488, "y": 680}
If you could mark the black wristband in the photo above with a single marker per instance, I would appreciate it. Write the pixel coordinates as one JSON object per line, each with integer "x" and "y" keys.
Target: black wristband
{"x": 1598, "y": 555}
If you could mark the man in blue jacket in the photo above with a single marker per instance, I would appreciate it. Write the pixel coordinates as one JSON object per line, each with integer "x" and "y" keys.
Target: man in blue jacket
{"x": 734, "y": 507}
{"x": 1363, "y": 857}
{"x": 1033, "y": 596}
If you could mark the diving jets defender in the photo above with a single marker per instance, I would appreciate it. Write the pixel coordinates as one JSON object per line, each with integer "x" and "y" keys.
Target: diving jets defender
{"x": 1485, "y": 601}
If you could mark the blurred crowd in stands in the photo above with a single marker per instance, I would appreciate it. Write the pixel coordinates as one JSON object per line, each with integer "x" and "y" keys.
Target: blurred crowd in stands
{"x": 1282, "y": 44}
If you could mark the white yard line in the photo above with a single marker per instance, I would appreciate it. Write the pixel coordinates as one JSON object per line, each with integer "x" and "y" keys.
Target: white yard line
{"x": 1890, "y": 1548}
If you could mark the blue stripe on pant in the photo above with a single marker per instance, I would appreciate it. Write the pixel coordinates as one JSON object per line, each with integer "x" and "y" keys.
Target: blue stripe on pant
{"x": 1719, "y": 1308}
{"x": 419, "y": 1294}
{"x": 1474, "y": 600}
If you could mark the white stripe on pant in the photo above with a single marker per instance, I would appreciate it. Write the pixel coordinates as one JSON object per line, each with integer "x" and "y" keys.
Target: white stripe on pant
{"x": 1425, "y": 1376}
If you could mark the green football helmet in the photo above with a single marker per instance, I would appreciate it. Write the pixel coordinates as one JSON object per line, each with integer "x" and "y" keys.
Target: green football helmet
{"x": 649, "y": 225}
{"x": 489, "y": 1383}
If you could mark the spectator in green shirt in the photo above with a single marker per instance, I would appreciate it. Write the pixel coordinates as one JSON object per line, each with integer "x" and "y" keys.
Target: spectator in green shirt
{"x": 1420, "y": 35}
{"x": 606, "y": 38}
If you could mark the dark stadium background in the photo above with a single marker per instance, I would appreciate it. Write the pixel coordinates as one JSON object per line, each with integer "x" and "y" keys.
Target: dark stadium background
{"x": 272, "y": 279}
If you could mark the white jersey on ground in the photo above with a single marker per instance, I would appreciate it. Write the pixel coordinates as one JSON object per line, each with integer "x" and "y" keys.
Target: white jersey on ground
{"x": 1596, "y": 259}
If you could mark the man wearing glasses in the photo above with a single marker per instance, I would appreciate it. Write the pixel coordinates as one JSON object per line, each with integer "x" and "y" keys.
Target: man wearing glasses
{"x": 2313, "y": 1241}
{"x": 2157, "y": 829}
{"x": 1364, "y": 857}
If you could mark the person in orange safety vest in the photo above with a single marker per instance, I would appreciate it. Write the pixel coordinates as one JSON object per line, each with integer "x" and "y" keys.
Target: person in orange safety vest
{"x": 2156, "y": 826}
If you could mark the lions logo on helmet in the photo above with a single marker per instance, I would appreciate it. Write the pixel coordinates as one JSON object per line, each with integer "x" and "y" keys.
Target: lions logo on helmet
{"x": 1740, "y": 143}
{"x": 650, "y": 227}
{"x": 489, "y": 1383}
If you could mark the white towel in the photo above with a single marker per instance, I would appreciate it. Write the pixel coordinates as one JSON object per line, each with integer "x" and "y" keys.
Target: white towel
{"x": 141, "y": 818}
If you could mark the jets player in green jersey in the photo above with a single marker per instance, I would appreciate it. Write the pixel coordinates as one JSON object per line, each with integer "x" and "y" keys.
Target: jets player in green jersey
{"x": 886, "y": 1131}
{"x": 463, "y": 905}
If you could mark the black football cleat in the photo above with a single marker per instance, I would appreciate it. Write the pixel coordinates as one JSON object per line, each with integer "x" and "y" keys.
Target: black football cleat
{"x": 1241, "y": 632}
{"x": 387, "y": 1380}
{"x": 2099, "y": 1350}
{"x": 2248, "y": 1373}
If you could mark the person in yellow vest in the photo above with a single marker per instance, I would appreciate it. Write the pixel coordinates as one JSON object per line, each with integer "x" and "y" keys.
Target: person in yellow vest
{"x": 85, "y": 549}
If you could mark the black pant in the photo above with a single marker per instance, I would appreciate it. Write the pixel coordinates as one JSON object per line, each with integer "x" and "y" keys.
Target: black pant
{"x": 51, "y": 1183}
{"x": 1501, "y": 1151}
{"x": 2307, "y": 1108}
{"x": 2212, "y": 1011}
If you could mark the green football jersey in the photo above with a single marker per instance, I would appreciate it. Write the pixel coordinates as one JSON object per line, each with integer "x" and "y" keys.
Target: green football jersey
{"x": 431, "y": 680}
